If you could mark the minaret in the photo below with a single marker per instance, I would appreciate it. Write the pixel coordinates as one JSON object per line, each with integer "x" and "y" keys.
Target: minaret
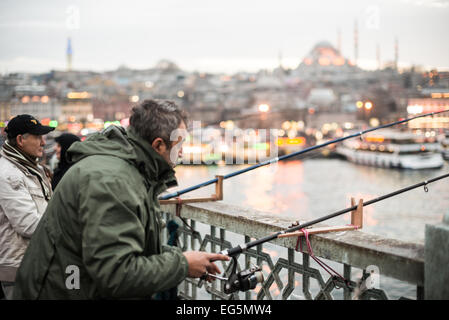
{"x": 356, "y": 42}
{"x": 339, "y": 40}
{"x": 396, "y": 53}
{"x": 280, "y": 59}
{"x": 379, "y": 64}
{"x": 69, "y": 55}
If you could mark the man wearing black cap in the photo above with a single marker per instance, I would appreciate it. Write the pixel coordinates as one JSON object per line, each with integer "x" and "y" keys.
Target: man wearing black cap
{"x": 24, "y": 192}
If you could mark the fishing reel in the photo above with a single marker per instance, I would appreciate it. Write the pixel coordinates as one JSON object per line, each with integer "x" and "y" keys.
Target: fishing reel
{"x": 244, "y": 280}
{"x": 240, "y": 281}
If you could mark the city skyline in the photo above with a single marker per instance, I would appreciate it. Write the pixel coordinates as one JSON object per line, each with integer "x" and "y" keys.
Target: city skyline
{"x": 218, "y": 37}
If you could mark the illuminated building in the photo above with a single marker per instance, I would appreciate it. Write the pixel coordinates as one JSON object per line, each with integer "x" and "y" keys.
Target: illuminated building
{"x": 34, "y": 99}
{"x": 76, "y": 107}
{"x": 439, "y": 102}
{"x": 40, "y": 106}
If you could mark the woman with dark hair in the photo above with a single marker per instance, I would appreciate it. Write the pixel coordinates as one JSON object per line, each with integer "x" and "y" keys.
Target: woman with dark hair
{"x": 63, "y": 142}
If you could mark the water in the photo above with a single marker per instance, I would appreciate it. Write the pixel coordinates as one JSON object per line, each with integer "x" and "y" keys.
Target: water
{"x": 307, "y": 189}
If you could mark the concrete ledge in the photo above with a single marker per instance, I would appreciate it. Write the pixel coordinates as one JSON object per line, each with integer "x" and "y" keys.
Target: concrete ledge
{"x": 397, "y": 259}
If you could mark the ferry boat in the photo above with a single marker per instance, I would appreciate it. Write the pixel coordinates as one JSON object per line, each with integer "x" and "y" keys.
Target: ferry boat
{"x": 393, "y": 149}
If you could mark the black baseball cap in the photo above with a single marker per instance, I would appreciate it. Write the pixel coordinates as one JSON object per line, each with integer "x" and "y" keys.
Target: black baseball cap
{"x": 25, "y": 123}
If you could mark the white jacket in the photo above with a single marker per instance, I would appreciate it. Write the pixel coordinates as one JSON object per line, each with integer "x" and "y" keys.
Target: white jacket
{"x": 22, "y": 204}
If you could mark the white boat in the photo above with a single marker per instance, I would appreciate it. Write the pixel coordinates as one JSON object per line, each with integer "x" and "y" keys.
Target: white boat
{"x": 393, "y": 149}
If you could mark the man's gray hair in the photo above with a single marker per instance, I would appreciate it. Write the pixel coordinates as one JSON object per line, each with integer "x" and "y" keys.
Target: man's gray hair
{"x": 13, "y": 140}
{"x": 157, "y": 119}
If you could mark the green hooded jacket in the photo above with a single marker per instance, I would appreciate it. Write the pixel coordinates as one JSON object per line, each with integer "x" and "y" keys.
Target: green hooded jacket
{"x": 100, "y": 235}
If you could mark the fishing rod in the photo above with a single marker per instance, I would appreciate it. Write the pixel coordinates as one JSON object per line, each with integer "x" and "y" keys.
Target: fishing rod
{"x": 248, "y": 279}
{"x": 239, "y": 249}
{"x": 284, "y": 157}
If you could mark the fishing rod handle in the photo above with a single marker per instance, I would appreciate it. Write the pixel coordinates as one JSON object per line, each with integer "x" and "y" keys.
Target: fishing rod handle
{"x": 240, "y": 248}
{"x": 181, "y": 192}
{"x": 232, "y": 252}
{"x": 169, "y": 196}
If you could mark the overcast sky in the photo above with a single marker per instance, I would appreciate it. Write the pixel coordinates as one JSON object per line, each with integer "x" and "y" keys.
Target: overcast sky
{"x": 217, "y": 36}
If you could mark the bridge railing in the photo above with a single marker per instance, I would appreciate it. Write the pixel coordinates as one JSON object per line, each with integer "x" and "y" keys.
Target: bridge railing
{"x": 376, "y": 267}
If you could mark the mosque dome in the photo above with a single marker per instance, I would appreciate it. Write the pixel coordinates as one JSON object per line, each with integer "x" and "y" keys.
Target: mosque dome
{"x": 325, "y": 55}
{"x": 167, "y": 65}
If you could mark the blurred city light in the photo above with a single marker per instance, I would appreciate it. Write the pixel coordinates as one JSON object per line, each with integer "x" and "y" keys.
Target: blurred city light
{"x": 414, "y": 109}
{"x": 78, "y": 95}
{"x": 264, "y": 107}
{"x": 286, "y": 125}
{"x": 374, "y": 122}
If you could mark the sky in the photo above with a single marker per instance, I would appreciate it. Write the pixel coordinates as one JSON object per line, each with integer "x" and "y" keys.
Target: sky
{"x": 217, "y": 36}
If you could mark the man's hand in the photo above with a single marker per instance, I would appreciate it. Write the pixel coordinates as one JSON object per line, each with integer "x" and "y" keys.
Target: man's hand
{"x": 200, "y": 262}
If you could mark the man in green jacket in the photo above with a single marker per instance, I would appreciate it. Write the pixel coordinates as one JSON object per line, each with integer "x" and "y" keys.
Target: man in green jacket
{"x": 100, "y": 235}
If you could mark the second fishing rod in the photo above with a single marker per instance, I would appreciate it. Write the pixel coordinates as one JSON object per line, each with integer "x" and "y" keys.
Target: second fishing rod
{"x": 239, "y": 249}
{"x": 284, "y": 157}
{"x": 248, "y": 279}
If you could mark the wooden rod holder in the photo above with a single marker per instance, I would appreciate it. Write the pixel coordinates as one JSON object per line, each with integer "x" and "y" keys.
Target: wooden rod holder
{"x": 219, "y": 188}
{"x": 215, "y": 197}
{"x": 356, "y": 223}
{"x": 357, "y": 214}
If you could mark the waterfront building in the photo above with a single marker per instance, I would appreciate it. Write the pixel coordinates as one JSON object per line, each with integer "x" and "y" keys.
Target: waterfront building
{"x": 35, "y": 100}
{"x": 439, "y": 102}
{"x": 76, "y": 106}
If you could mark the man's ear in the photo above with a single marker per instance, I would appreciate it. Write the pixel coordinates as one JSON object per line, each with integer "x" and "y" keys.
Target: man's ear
{"x": 159, "y": 145}
{"x": 19, "y": 140}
